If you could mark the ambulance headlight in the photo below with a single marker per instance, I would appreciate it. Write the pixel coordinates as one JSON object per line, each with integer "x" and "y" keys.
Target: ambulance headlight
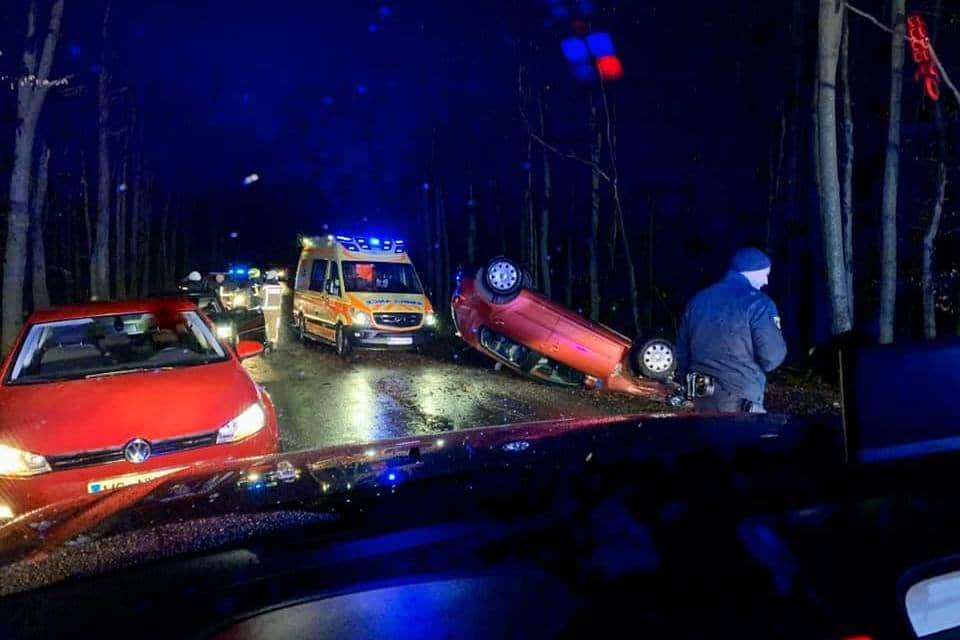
{"x": 430, "y": 319}
{"x": 360, "y": 319}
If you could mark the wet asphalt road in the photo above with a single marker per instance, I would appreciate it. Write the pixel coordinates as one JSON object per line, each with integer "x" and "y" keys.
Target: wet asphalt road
{"x": 323, "y": 400}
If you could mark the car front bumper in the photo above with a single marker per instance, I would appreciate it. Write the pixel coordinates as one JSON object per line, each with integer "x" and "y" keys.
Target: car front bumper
{"x": 21, "y": 495}
{"x": 379, "y": 339}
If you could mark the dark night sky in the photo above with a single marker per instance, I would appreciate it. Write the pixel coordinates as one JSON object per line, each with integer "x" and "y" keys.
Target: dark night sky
{"x": 340, "y": 105}
{"x": 333, "y": 103}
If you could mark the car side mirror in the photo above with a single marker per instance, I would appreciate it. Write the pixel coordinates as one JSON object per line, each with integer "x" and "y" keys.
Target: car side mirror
{"x": 933, "y": 605}
{"x": 248, "y": 349}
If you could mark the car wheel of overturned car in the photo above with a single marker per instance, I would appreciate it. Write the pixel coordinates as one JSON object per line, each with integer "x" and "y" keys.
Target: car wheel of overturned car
{"x": 654, "y": 359}
{"x": 342, "y": 344}
{"x": 502, "y": 279}
{"x": 503, "y": 276}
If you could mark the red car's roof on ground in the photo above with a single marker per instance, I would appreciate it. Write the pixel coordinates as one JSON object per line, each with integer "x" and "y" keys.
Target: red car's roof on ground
{"x": 109, "y": 307}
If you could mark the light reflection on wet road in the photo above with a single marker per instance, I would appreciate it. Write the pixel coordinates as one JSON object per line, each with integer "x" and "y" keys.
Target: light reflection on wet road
{"x": 323, "y": 400}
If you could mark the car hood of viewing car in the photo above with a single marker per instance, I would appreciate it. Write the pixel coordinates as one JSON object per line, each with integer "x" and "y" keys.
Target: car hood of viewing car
{"x": 88, "y": 414}
{"x": 232, "y": 500}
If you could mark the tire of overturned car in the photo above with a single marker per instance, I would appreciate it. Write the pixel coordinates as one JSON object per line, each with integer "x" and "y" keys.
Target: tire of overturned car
{"x": 502, "y": 280}
{"x": 655, "y": 359}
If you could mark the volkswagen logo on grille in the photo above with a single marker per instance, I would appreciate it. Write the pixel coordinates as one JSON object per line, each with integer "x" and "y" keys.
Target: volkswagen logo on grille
{"x": 136, "y": 451}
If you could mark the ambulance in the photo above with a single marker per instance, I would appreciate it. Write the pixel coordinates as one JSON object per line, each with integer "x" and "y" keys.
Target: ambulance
{"x": 363, "y": 292}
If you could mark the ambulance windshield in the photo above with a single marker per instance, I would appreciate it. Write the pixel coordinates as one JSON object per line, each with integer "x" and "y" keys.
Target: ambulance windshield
{"x": 380, "y": 277}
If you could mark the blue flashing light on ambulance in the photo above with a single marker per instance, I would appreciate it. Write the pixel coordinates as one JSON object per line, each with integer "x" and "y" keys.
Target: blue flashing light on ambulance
{"x": 360, "y": 291}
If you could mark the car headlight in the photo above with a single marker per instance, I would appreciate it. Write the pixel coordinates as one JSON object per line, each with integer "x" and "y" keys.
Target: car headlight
{"x": 431, "y": 319}
{"x": 360, "y": 318}
{"x": 14, "y": 462}
{"x": 225, "y": 331}
{"x": 252, "y": 420}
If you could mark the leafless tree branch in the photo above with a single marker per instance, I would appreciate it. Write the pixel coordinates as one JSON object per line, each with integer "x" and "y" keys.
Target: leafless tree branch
{"x": 569, "y": 154}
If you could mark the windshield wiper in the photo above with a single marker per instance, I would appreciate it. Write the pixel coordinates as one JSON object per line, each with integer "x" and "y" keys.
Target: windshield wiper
{"x": 107, "y": 374}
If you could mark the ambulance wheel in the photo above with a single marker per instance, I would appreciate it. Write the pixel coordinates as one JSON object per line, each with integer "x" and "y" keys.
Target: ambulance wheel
{"x": 342, "y": 344}
{"x": 655, "y": 359}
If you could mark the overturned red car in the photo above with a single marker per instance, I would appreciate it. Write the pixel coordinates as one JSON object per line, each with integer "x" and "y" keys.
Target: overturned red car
{"x": 105, "y": 395}
{"x": 499, "y": 314}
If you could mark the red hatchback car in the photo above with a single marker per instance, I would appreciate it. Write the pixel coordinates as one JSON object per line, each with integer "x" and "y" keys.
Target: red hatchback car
{"x": 498, "y": 314}
{"x": 103, "y": 395}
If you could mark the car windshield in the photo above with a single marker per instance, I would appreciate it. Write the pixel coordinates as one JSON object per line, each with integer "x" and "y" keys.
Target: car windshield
{"x": 114, "y": 344}
{"x": 380, "y": 277}
{"x": 208, "y": 304}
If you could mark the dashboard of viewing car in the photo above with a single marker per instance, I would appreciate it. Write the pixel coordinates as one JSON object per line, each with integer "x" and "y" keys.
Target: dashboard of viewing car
{"x": 482, "y": 544}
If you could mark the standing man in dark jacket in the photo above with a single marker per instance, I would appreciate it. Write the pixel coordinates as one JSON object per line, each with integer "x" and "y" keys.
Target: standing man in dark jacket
{"x": 730, "y": 338}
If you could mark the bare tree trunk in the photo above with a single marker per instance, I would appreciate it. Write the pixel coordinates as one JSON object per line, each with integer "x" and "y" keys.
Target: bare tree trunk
{"x": 30, "y": 99}
{"x": 133, "y": 256}
{"x": 438, "y": 245}
{"x": 929, "y": 240}
{"x": 170, "y": 268}
{"x": 830, "y": 26}
{"x": 85, "y": 195}
{"x": 187, "y": 242}
{"x": 430, "y": 241}
{"x": 612, "y": 239}
{"x": 163, "y": 261}
{"x": 847, "y": 167}
{"x": 120, "y": 268}
{"x": 618, "y": 208}
{"x": 792, "y": 247}
{"x": 529, "y": 236}
{"x": 76, "y": 249}
{"x": 593, "y": 240}
{"x": 445, "y": 286}
{"x": 443, "y": 257}
{"x": 775, "y": 169}
{"x": 888, "y": 250}
{"x": 100, "y": 257}
{"x": 544, "y": 245}
{"x": 651, "y": 283}
{"x": 41, "y": 295}
{"x": 147, "y": 245}
{"x": 471, "y": 228}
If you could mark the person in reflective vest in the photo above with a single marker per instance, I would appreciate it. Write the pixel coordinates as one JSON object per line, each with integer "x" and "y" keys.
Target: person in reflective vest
{"x": 271, "y": 296}
{"x": 730, "y": 338}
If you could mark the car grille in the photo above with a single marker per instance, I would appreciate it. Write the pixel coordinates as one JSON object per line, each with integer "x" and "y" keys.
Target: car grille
{"x": 105, "y": 456}
{"x": 397, "y": 319}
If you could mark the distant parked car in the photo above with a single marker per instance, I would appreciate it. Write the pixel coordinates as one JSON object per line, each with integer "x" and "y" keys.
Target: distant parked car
{"x": 104, "y": 395}
{"x": 232, "y": 325}
{"x": 499, "y": 314}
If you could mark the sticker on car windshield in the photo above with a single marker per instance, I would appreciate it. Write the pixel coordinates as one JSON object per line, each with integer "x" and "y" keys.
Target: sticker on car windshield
{"x": 119, "y": 482}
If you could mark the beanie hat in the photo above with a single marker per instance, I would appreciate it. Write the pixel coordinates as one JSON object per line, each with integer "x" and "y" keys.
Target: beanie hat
{"x": 749, "y": 259}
